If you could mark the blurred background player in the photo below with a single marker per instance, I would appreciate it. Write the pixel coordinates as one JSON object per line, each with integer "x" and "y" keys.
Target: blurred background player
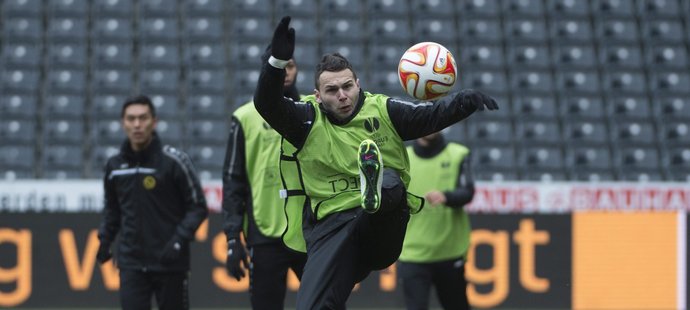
{"x": 357, "y": 211}
{"x": 252, "y": 205}
{"x": 437, "y": 239}
{"x": 153, "y": 198}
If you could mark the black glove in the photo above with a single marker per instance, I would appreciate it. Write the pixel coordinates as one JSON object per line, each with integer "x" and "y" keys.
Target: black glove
{"x": 471, "y": 98}
{"x": 104, "y": 253}
{"x": 173, "y": 249}
{"x": 236, "y": 255}
{"x": 283, "y": 42}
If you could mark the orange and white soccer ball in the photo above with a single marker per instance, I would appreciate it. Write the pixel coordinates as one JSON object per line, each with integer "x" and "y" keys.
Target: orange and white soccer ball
{"x": 427, "y": 71}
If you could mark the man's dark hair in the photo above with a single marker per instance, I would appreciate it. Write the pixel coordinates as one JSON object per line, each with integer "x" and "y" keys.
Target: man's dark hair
{"x": 333, "y": 63}
{"x": 139, "y": 99}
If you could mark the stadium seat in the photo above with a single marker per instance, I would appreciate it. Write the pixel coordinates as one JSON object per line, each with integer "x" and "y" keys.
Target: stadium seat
{"x": 538, "y": 132}
{"x": 207, "y": 156}
{"x": 662, "y": 30}
{"x": 502, "y": 114}
{"x": 247, "y": 54}
{"x": 21, "y": 80}
{"x": 491, "y": 156}
{"x": 667, "y": 56}
{"x": 581, "y": 107}
{"x": 633, "y": 132}
{"x": 305, "y": 79}
{"x": 204, "y": 29}
{"x": 477, "y": 30}
{"x": 306, "y": 55}
{"x": 106, "y": 107}
{"x": 532, "y": 81}
{"x": 109, "y": 29}
{"x": 386, "y": 8}
{"x": 16, "y": 156}
{"x": 206, "y": 106}
{"x": 17, "y": 131}
{"x": 389, "y": 30}
{"x": 435, "y": 29}
{"x": 67, "y": 55}
{"x": 246, "y": 79}
{"x": 64, "y": 106}
{"x": 640, "y": 175}
{"x": 525, "y": 29}
{"x": 628, "y": 107}
{"x": 66, "y": 29}
{"x": 491, "y": 131}
{"x": 441, "y": 9}
{"x": 543, "y": 175}
{"x": 21, "y": 55}
{"x": 569, "y": 30}
{"x": 166, "y": 104}
{"x": 574, "y": 56}
{"x": 66, "y": 80}
{"x": 107, "y": 131}
{"x": 496, "y": 174}
{"x": 675, "y": 133}
{"x": 607, "y": 8}
{"x": 568, "y": 8}
{"x": 158, "y": 29}
{"x": 350, "y": 8}
{"x": 586, "y": 132}
{"x": 481, "y": 55}
{"x": 210, "y": 80}
{"x": 354, "y": 55}
{"x": 164, "y": 56}
{"x": 205, "y": 55}
{"x": 672, "y": 107}
{"x": 111, "y": 80}
{"x": 22, "y": 8}
{"x": 670, "y": 81}
{"x": 170, "y": 131}
{"x": 540, "y": 157}
{"x": 297, "y": 8}
{"x": 532, "y": 8}
{"x": 204, "y": 7}
{"x": 18, "y": 106}
{"x": 592, "y": 175}
{"x": 578, "y": 81}
{"x": 489, "y": 8}
{"x": 149, "y": 8}
{"x": 251, "y": 29}
{"x": 627, "y": 81}
{"x": 385, "y": 82}
{"x": 636, "y": 157}
{"x": 112, "y": 7}
{"x": 67, "y": 8}
{"x": 308, "y": 29}
{"x": 99, "y": 156}
{"x": 658, "y": 8}
{"x": 165, "y": 80}
{"x": 112, "y": 55}
{"x": 207, "y": 131}
{"x": 616, "y": 30}
{"x": 62, "y": 156}
{"x": 527, "y": 106}
{"x": 528, "y": 56}
{"x": 251, "y": 8}
{"x": 489, "y": 81}
{"x": 23, "y": 29}
{"x": 628, "y": 56}
{"x": 63, "y": 130}
{"x": 587, "y": 157}
{"x": 678, "y": 157}
{"x": 340, "y": 30}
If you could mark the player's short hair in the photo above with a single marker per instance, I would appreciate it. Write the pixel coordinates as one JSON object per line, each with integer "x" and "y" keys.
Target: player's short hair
{"x": 138, "y": 99}
{"x": 333, "y": 62}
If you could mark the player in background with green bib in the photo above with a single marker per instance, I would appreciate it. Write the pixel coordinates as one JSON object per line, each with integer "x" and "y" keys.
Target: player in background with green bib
{"x": 252, "y": 205}
{"x": 435, "y": 247}
{"x": 352, "y": 166}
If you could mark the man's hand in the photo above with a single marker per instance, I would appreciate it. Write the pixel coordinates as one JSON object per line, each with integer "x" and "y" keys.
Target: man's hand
{"x": 476, "y": 99}
{"x": 236, "y": 255}
{"x": 104, "y": 254}
{"x": 173, "y": 249}
{"x": 283, "y": 42}
{"x": 435, "y": 197}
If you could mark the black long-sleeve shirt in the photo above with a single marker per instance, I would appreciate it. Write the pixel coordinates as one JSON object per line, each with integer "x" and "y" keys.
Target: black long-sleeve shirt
{"x": 293, "y": 120}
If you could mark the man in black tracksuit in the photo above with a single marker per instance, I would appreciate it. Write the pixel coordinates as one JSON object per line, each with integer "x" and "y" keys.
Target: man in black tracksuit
{"x": 251, "y": 205}
{"x": 345, "y": 243}
{"x": 154, "y": 201}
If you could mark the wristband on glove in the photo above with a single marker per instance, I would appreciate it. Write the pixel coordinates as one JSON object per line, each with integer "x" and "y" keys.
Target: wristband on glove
{"x": 277, "y": 63}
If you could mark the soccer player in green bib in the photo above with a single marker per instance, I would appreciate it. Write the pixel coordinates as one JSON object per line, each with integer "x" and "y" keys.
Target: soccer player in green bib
{"x": 346, "y": 146}
{"x": 435, "y": 247}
